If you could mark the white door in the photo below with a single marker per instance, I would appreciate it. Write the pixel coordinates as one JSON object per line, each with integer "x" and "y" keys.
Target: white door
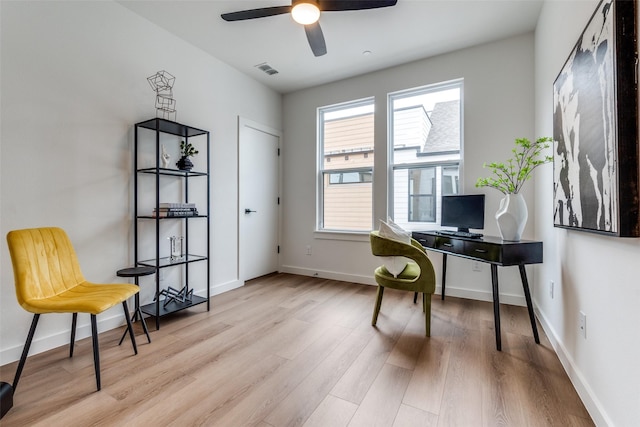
{"x": 258, "y": 210}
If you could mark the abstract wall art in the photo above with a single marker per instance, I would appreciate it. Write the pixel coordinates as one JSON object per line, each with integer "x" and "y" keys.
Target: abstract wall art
{"x": 595, "y": 127}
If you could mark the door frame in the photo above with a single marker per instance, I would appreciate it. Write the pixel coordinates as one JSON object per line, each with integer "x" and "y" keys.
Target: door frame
{"x": 244, "y": 123}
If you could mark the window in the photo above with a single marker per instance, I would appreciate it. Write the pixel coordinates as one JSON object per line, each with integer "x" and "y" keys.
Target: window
{"x": 424, "y": 145}
{"x": 422, "y": 193}
{"x": 346, "y": 166}
{"x": 349, "y": 177}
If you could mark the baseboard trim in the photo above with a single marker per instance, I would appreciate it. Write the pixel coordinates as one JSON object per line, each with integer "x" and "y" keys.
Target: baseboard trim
{"x": 332, "y": 275}
{"x": 588, "y": 397}
{"x": 369, "y": 280}
{"x": 83, "y": 330}
{"x": 226, "y": 287}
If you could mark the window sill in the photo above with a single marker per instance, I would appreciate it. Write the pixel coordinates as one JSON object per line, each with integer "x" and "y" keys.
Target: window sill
{"x": 353, "y": 236}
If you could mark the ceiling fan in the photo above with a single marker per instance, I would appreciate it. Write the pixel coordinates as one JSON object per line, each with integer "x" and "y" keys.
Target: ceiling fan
{"x": 307, "y": 13}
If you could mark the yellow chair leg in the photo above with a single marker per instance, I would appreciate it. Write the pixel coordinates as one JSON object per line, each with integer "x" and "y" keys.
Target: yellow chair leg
{"x": 426, "y": 304}
{"x": 376, "y": 310}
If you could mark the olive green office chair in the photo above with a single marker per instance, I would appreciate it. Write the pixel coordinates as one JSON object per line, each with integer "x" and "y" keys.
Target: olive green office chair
{"x": 418, "y": 276}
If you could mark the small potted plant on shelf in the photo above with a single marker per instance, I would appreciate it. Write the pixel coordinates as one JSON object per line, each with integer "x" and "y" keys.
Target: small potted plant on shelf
{"x": 509, "y": 178}
{"x": 186, "y": 150}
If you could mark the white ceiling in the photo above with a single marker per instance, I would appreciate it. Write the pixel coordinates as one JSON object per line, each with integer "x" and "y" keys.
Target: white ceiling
{"x": 408, "y": 31}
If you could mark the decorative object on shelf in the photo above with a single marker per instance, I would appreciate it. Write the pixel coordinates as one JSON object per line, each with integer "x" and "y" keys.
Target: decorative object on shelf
{"x": 162, "y": 82}
{"x": 165, "y": 157}
{"x": 186, "y": 150}
{"x": 509, "y": 178}
{"x": 176, "y": 250}
{"x": 595, "y": 126}
{"x": 173, "y": 295}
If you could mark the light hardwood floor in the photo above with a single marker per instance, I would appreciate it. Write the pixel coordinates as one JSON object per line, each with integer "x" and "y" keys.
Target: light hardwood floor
{"x": 288, "y": 350}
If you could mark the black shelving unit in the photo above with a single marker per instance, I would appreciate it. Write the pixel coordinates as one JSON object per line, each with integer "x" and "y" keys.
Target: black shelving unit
{"x": 161, "y": 128}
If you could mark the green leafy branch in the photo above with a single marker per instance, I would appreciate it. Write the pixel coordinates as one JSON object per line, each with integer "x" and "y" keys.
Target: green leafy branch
{"x": 187, "y": 149}
{"x": 511, "y": 176}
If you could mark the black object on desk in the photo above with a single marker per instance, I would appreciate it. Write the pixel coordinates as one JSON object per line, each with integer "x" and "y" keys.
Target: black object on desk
{"x": 494, "y": 251}
{"x": 136, "y": 272}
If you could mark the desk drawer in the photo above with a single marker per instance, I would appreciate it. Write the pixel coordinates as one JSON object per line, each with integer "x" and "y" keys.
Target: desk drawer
{"x": 450, "y": 245}
{"x": 425, "y": 240}
{"x": 482, "y": 250}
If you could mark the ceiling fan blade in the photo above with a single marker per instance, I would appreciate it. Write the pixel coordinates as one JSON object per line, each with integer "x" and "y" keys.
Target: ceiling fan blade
{"x": 255, "y": 13}
{"x": 316, "y": 39}
{"x": 337, "y": 5}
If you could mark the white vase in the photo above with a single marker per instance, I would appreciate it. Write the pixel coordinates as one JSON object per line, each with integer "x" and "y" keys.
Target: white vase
{"x": 512, "y": 217}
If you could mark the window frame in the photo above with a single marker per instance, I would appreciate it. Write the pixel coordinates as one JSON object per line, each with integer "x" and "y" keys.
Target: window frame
{"x": 321, "y": 112}
{"x": 392, "y": 167}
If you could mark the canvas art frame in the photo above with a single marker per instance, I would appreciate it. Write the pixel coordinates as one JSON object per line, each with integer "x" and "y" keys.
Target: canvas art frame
{"x": 595, "y": 127}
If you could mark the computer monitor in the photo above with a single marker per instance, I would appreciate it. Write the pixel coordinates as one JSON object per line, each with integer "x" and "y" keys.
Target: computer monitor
{"x": 463, "y": 211}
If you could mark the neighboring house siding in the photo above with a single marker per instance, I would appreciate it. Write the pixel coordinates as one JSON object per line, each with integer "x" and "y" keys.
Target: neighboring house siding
{"x": 351, "y": 206}
{"x": 411, "y": 126}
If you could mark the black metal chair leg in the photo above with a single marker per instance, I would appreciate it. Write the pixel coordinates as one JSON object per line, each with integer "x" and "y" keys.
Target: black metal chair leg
{"x": 96, "y": 350}
{"x": 130, "y": 327}
{"x": 74, "y": 321}
{"x": 25, "y": 351}
{"x": 415, "y": 297}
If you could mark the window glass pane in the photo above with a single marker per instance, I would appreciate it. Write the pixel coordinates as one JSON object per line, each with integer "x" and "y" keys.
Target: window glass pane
{"x": 347, "y": 206}
{"x": 450, "y": 180}
{"x": 346, "y": 145}
{"x": 422, "y": 195}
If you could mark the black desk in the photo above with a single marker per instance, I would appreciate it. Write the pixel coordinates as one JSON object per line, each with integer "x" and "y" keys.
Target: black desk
{"x": 494, "y": 251}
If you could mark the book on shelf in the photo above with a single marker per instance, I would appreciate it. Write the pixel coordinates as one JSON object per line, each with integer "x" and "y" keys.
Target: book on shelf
{"x": 175, "y": 210}
{"x": 174, "y": 213}
{"x": 175, "y": 205}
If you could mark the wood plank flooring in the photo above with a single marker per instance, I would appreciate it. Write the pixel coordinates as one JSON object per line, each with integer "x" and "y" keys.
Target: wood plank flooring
{"x": 288, "y": 350}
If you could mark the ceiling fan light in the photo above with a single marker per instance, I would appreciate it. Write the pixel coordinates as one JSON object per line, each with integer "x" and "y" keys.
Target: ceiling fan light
{"x": 305, "y": 13}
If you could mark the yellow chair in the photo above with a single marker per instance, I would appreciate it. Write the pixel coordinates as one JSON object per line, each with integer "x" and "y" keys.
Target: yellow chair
{"x": 48, "y": 280}
{"x": 417, "y": 276}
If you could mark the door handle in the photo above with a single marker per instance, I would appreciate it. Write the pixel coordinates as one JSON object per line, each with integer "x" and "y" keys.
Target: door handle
{"x": 246, "y": 211}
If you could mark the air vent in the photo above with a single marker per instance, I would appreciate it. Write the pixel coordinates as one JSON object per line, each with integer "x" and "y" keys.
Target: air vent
{"x": 267, "y": 68}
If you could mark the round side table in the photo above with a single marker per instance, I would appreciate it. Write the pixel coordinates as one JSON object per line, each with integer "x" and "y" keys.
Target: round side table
{"x": 136, "y": 272}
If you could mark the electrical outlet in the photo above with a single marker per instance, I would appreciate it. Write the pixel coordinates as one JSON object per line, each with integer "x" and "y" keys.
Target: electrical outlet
{"x": 582, "y": 324}
{"x": 476, "y": 266}
{"x": 552, "y": 286}
{"x": 308, "y": 249}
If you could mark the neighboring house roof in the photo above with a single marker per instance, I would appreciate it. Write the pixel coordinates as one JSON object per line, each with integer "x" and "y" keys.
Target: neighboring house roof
{"x": 444, "y": 134}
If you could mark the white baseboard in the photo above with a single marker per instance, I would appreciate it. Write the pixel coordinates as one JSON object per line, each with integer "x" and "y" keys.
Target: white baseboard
{"x": 225, "y": 287}
{"x": 588, "y": 397}
{"x": 44, "y": 343}
{"x": 41, "y": 344}
{"x": 369, "y": 280}
{"x": 332, "y": 275}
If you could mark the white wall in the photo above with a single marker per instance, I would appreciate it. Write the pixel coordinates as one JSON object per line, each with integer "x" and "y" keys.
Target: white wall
{"x": 592, "y": 273}
{"x": 498, "y": 107}
{"x": 73, "y": 83}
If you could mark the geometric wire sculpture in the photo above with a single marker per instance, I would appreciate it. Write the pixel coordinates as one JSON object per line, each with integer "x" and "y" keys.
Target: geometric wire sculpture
{"x": 162, "y": 83}
{"x": 172, "y": 294}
